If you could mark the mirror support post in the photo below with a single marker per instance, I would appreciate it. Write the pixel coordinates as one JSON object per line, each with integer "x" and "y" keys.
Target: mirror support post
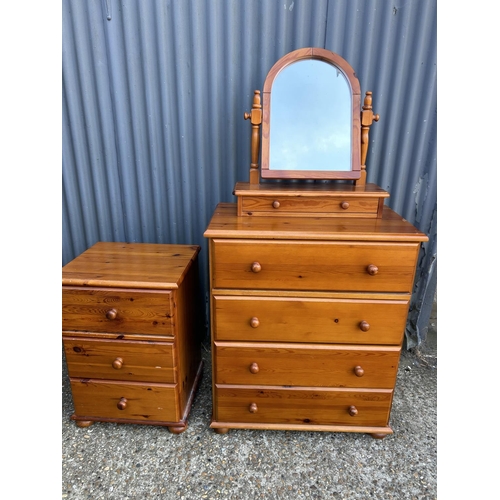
{"x": 367, "y": 118}
{"x": 255, "y": 119}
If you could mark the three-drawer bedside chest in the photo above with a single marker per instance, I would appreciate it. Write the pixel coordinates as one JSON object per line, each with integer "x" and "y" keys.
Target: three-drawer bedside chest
{"x": 131, "y": 330}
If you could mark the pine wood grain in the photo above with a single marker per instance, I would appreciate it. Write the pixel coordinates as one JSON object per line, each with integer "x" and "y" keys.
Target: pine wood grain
{"x": 311, "y": 265}
{"x": 120, "y": 303}
{"x": 142, "y": 312}
{"x": 131, "y": 265}
{"x": 309, "y": 190}
{"x": 321, "y": 206}
{"x": 391, "y": 227}
{"x": 189, "y": 330}
{"x": 222, "y": 427}
{"x": 278, "y": 285}
{"x": 306, "y": 365}
{"x": 309, "y": 407}
{"x": 99, "y": 398}
{"x": 138, "y": 361}
{"x": 302, "y": 319}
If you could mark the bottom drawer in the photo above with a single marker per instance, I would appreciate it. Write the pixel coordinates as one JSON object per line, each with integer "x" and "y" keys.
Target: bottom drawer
{"x": 115, "y": 400}
{"x": 368, "y": 407}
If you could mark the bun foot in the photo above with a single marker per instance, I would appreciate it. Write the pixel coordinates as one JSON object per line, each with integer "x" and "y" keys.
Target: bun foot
{"x": 84, "y": 423}
{"x": 177, "y": 429}
{"x": 378, "y": 435}
{"x": 222, "y": 430}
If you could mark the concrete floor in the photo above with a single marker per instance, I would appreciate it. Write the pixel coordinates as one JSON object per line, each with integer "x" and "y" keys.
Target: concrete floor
{"x": 112, "y": 461}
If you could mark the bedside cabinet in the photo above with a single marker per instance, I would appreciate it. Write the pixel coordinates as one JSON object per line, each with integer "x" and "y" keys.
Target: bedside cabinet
{"x": 131, "y": 330}
{"x": 308, "y": 317}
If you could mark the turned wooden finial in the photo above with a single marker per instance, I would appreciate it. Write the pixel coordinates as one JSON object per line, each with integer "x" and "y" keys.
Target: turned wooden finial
{"x": 255, "y": 119}
{"x": 367, "y": 118}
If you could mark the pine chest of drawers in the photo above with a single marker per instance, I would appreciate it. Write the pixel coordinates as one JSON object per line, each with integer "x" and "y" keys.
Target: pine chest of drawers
{"x": 307, "y": 319}
{"x": 131, "y": 333}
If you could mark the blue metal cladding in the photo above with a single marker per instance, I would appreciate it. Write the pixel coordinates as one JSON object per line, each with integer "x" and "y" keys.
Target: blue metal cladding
{"x": 154, "y": 93}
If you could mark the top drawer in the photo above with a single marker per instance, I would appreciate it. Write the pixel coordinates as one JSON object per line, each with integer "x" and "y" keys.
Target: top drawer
{"x": 117, "y": 311}
{"x": 313, "y": 265}
{"x": 301, "y": 205}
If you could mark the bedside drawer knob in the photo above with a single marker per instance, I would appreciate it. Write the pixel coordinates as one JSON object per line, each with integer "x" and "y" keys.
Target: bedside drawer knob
{"x": 254, "y": 322}
{"x": 358, "y": 371}
{"x": 254, "y": 368}
{"x": 111, "y": 314}
{"x": 372, "y": 269}
{"x": 117, "y": 363}
{"x": 253, "y": 408}
{"x": 353, "y": 411}
{"x": 364, "y": 326}
{"x": 256, "y": 267}
{"x": 276, "y": 204}
{"x": 344, "y": 205}
{"x": 122, "y": 404}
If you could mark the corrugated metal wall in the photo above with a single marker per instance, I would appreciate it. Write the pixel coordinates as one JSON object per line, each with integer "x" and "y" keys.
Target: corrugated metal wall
{"x": 154, "y": 93}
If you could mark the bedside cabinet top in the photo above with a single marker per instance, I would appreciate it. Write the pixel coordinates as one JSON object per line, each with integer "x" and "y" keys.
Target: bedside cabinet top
{"x": 130, "y": 265}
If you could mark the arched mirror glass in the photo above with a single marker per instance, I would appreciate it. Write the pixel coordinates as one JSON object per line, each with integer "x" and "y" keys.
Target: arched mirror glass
{"x": 311, "y": 118}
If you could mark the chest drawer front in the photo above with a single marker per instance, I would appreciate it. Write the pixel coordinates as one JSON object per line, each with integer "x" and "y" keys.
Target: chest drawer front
{"x": 296, "y": 319}
{"x": 327, "y": 266}
{"x": 114, "y": 400}
{"x": 306, "y": 365}
{"x": 326, "y": 206}
{"x": 117, "y": 311}
{"x": 303, "y": 406}
{"x": 120, "y": 360}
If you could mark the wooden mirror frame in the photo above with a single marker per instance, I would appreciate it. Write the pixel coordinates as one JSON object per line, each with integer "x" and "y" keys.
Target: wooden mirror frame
{"x": 348, "y": 72}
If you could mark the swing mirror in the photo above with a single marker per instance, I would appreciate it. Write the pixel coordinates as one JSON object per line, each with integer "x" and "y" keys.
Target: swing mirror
{"x": 311, "y": 118}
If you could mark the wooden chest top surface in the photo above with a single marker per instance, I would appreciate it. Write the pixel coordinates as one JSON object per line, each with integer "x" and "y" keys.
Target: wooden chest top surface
{"x": 130, "y": 265}
{"x": 225, "y": 223}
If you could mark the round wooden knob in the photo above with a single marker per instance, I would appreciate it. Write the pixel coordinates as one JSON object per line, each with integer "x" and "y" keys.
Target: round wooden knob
{"x": 353, "y": 411}
{"x": 372, "y": 269}
{"x": 364, "y": 326}
{"x": 276, "y": 204}
{"x": 117, "y": 363}
{"x": 254, "y": 368}
{"x": 254, "y": 322}
{"x": 111, "y": 314}
{"x": 344, "y": 205}
{"x": 358, "y": 371}
{"x": 246, "y": 116}
{"x": 253, "y": 408}
{"x": 256, "y": 267}
{"x": 122, "y": 404}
